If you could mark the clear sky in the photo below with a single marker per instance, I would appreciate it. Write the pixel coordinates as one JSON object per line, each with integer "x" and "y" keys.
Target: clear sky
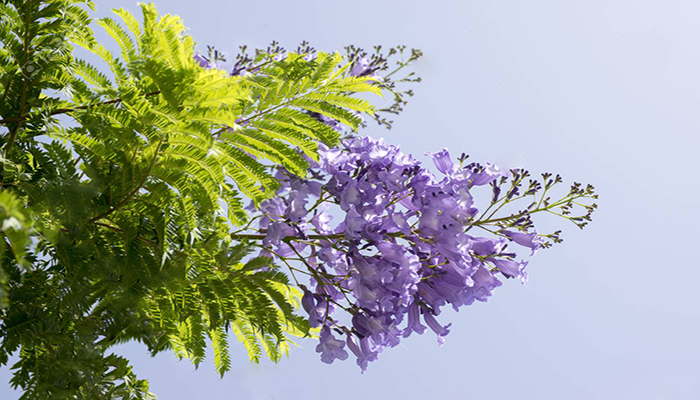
{"x": 601, "y": 91}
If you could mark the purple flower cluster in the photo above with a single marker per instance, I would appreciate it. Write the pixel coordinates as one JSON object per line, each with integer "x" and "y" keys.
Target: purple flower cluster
{"x": 402, "y": 250}
{"x": 403, "y": 246}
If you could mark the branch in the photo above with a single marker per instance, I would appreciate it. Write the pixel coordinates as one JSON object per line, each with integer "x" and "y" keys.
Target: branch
{"x": 135, "y": 190}
{"x": 261, "y": 237}
{"x": 141, "y": 238}
{"x": 69, "y": 110}
{"x": 25, "y": 86}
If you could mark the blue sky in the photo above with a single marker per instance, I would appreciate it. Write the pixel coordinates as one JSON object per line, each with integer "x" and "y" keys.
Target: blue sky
{"x": 603, "y": 92}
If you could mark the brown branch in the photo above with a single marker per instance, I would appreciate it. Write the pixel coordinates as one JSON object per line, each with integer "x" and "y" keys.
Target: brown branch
{"x": 7, "y": 88}
{"x": 253, "y": 68}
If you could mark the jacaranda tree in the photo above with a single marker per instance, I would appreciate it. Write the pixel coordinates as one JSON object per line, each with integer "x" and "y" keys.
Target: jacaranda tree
{"x": 161, "y": 198}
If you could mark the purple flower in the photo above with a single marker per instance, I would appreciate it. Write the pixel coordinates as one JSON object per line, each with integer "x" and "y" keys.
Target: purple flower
{"x": 480, "y": 175}
{"x": 350, "y": 196}
{"x": 330, "y": 347}
{"x": 308, "y": 301}
{"x": 317, "y": 306}
{"x": 354, "y": 223}
{"x": 486, "y": 246}
{"x": 360, "y": 67}
{"x": 442, "y": 161}
{"x": 414, "y": 324}
{"x": 484, "y": 284}
{"x": 439, "y": 330}
{"x": 397, "y": 222}
{"x": 321, "y": 221}
{"x": 365, "y": 352}
{"x": 510, "y": 268}
{"x": 363, "y": 67}
{"x": 204, "y": 62}
{"x": 531, "y": 240}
